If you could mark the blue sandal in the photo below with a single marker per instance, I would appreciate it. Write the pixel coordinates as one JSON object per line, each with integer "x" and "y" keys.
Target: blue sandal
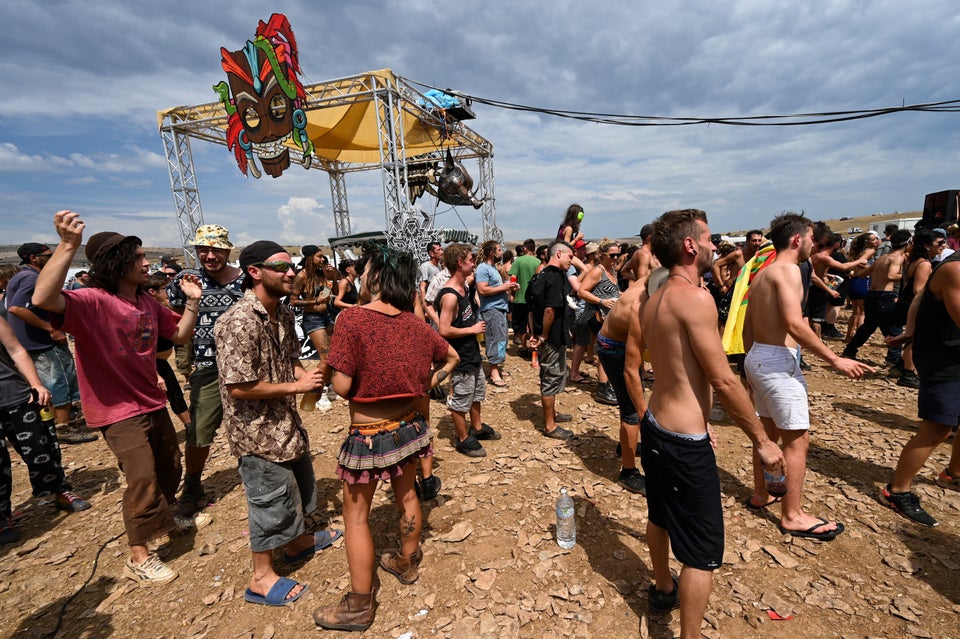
{"x": 321, "y": 540}
{"x": 277, "y": 595}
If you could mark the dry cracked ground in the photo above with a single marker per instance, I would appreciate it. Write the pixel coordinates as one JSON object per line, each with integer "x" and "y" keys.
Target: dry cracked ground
{"x": 491, "y": 567}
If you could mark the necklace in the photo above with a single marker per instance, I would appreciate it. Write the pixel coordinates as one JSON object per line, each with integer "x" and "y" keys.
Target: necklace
{"x": 682, "y": 276}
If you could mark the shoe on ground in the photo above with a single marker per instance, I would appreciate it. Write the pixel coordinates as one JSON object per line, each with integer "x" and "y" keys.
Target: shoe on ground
{"x": 909, "y": 380}
{"x": 561, "y": 418}
{"x": 324, "y": 404}
{"x": 194, "y": 522}
{"x": 192, "y": 498}
{"x": 848, "y": 354}
{"x": 354, "y": 612}
{"x": 406, "y": 569}
{"x": 605, "y": 395}
{"x": 331, "y": 394}
{"x": 831, "y": 332}
{"x": 947, "y": 480}
{"x": 558, "y": 433}
{"x": 151, "y": 571}
{"x": 8, "y": 534}
{"x": 908, "y": 505}
{"x": 471, "y": 447}
{"x": 70, "y": 502}
{"x": 74, "y": 434}
{"x": 632, "y": 480}
{"x": 897, "y": 369}
{"x": 486, "y": 432}
{"x": 659, "y": 603}
{"x": 428, "y": 488}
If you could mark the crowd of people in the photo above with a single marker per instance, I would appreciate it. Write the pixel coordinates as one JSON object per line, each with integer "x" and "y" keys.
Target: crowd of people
{"x": 696, "y": 314}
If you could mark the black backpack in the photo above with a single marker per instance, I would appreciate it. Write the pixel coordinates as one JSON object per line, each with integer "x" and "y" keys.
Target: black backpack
{"x": 536, "y": 300}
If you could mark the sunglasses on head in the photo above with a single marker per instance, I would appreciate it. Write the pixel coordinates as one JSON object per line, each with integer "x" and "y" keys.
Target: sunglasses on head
{"x": 278, "y": 266}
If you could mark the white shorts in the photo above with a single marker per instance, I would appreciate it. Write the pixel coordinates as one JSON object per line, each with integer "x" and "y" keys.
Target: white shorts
{"x": 778, "y": 386}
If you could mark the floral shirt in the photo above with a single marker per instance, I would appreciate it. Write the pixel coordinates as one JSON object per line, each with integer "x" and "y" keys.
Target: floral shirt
{"x": 248, "y": 350}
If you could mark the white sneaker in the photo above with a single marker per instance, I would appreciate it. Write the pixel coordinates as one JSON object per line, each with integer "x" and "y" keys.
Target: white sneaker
{"x": 194, "y": 522}
{"x": 324, "y": 404}
{"x": 151, "y": 571}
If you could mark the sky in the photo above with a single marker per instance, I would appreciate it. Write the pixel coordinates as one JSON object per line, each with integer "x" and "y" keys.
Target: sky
{"x": 83, "y": 82}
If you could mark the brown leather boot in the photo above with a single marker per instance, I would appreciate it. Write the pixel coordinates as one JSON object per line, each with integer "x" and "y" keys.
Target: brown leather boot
{"x": 405, "y": 568}
{"x": 354, "y": 612}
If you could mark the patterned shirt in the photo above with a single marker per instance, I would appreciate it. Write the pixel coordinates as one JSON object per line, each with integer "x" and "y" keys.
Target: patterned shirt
{"x": 216, "y": 299}
{"x": 248, "y": 350}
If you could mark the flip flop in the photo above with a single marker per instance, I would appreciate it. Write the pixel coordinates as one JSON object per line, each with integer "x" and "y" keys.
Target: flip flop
{"x": 499, "y": 383}
{"x": 830, "y": 535}
{"x": 584, "y": 379}
{"x": 322, "y": 539}
{"x": 749, "y": 504}
{"x": 277, "y": 595}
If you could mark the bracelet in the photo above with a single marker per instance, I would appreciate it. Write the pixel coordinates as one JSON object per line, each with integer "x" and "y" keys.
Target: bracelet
{"x": 195, "y": 308}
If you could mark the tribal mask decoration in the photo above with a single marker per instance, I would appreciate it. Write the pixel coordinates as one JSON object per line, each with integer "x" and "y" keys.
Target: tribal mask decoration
{"x": 266, "y": 109}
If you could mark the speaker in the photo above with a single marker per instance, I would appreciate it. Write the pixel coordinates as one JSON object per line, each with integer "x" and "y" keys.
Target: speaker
{"x": 941, "y": 209}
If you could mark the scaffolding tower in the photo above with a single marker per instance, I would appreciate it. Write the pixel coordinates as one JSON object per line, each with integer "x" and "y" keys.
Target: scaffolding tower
{"x": 401, "y": 128}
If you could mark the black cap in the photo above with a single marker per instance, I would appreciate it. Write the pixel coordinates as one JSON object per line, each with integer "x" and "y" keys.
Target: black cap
{"x": 256, "y": 253}
{"x": 26, "y": 251}
{"x": 309, "y": 250}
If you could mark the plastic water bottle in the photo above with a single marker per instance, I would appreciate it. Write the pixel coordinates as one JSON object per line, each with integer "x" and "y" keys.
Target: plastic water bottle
{"x": 566, "y": 524}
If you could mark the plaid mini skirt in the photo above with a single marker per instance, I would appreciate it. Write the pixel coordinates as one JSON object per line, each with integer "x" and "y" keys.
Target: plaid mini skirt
{"x": 378, "y": 451}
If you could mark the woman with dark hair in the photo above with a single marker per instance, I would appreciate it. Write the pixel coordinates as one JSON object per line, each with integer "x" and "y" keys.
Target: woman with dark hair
{"x": 570, "y": 232}
{"x": 864, "y": 246}
{"x": 926, "y": 247}
{"x": 312, "y": 294}
{"x": 385, "y": 360}
{"x": 347, "y": 296}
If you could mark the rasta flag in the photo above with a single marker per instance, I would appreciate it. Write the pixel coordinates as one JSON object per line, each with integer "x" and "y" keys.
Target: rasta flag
{"x": 733, "y": 330}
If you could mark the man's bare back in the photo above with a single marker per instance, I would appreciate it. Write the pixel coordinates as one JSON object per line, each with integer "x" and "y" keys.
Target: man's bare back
{"x": 887, "y": 271}
{"x": 641, "y": 264}
{"x": 682, "y": 397}
{"x": 776, "y": 287}
{"x": 617, "y": 323}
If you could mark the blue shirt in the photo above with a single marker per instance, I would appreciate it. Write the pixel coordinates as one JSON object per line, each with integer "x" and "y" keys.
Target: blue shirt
{"x": 491, "y": 276}
{"x": 19, "y": 293}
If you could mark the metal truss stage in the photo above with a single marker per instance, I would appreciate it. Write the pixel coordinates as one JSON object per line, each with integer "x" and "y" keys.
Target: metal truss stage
{"x": 371, "y": 121}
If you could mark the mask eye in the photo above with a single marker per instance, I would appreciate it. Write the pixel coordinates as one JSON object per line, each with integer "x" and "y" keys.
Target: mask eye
{"x": 278, "y": 107}
{"x": 251, "y": 119}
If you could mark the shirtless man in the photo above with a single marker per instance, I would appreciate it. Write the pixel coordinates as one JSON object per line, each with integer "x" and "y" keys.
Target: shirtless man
{"x": 752, "y": 245}
{"x": 774, "y": 329}
{"x": 726, "y": 268}
{"x": 612, "y": 350}
{"x": 643, "y": 260}
{"x": 878, "y": 308}
{"x": 679, "y": 326}
{"x": 818, "y": 299}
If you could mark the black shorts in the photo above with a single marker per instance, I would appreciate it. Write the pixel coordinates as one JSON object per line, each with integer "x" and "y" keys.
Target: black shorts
{"x": 683, "y": 493}
{"x": 612, "y": 356}
{"x": 518, "y": 317}
{"x": 817, "y": 302}
{"x": 939, "y": 402}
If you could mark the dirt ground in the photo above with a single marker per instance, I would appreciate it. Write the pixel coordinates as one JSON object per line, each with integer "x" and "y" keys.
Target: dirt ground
{"x": 491, "y": 567}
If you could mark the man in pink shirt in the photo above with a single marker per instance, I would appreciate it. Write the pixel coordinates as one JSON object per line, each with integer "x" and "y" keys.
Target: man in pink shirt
{"x": 115, "y": 326}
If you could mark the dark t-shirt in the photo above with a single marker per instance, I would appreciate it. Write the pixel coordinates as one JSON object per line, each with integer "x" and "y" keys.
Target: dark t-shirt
{"x": 14, "y": 389}
{"x": 467, "y": 347}
{"x": 555, "y": 291}
{"x": 19, "y": 293}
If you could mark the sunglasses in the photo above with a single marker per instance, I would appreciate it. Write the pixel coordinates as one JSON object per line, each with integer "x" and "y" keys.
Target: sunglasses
{"x": 940, "y": 242}
{"x": 278, "y": 266}
{"x": 613, "y": 254}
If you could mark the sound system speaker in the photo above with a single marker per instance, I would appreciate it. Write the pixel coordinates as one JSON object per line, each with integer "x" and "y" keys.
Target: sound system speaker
{"x": 941, "y": 209}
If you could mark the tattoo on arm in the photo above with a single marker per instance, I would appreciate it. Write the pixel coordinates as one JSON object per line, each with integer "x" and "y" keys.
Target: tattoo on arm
{"x": 441, "y": 375}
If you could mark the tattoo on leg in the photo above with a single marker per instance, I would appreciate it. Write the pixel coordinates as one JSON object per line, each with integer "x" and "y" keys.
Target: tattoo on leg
{"x": 408, "y": 524}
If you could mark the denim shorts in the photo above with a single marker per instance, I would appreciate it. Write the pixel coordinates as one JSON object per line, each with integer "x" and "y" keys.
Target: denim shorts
{"x": 316, "y": 321}
{"x": 58, "y": 373}
{"x": 279, "y": 494}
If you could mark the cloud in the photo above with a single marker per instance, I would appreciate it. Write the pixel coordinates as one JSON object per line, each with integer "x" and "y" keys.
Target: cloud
{"x": 135, "y": 160}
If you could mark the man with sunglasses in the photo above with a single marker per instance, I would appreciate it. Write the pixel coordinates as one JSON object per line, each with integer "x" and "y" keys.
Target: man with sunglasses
{"x": 47, "y": 346}
{"x": 258, "y": 358}
{"x": 221, "y": 285}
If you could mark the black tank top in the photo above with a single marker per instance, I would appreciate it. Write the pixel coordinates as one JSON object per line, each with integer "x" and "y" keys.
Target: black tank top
{"x": 936, "y": 341}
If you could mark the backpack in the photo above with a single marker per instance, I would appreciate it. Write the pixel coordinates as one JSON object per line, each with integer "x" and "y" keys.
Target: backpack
{"x": 536, "y": 300}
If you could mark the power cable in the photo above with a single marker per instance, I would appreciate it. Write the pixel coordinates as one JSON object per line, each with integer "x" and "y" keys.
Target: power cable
{"x": 794, "y": 119}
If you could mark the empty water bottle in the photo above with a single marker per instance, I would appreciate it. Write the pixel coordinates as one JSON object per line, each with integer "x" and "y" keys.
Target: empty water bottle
{"x": 566, "y": 524}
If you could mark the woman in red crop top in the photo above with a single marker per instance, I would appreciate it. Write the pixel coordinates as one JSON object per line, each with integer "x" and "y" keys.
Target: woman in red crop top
{"x": 385, "y": 360}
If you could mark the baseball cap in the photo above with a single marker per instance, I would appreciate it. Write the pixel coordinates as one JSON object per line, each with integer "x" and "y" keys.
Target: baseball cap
{"x": 26, "y": 251}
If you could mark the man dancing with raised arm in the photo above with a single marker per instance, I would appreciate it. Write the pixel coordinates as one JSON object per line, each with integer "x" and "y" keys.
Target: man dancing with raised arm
{"x": 679, "y": 326}
{"x": 115, "y": 327}
{"x": 774, "y": 329}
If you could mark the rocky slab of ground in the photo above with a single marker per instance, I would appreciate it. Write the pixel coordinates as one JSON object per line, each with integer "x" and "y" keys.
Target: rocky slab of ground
{"x": 491, "y": 567}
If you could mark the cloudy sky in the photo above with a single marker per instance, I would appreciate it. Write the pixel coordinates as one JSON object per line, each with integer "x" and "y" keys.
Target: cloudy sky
{"x": 83, "y": 81}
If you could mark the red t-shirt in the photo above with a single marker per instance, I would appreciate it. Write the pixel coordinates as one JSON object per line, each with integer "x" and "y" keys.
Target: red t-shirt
{"x": 116, "y": 346}
{"x": 387, "y": 356}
